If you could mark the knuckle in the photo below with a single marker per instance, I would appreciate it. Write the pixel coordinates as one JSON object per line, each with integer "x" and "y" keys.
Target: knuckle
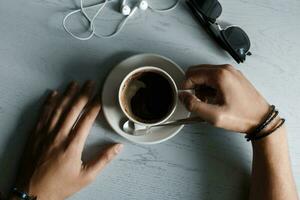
{"x": 222, "y": 73}
{"x": 231, "y": 68}
{"x": 239, "y": 71}
{"x": 228, "y": 67}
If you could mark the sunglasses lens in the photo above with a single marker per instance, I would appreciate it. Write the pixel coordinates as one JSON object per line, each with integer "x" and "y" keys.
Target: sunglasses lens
{"x": 211, "y": 9}
{"x": 238, "y": 40}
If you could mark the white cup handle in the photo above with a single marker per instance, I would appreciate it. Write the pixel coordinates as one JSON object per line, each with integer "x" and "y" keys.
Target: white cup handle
{"x": 191, "y": 91}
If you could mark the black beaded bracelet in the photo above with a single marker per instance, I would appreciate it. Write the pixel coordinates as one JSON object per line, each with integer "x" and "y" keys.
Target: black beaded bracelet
{"x": 265, "y": 122}
{"x": 269, "y": 118}
{"x": 21, "y": 195}
{"x": 269, "y": 133}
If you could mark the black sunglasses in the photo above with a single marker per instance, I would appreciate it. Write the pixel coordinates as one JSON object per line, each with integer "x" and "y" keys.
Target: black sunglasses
{"x": 233, "y": 39}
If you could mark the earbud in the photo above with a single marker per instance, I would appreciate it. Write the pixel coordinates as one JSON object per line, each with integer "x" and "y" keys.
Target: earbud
{"x": 125, "y": 9}
{"x": 143, "y": 5}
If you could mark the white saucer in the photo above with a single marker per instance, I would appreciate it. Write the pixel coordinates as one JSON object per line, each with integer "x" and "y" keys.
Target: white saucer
{"x": 111, "y": 107}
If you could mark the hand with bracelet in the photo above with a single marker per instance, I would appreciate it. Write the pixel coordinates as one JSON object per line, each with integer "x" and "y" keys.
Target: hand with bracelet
{"x": 226, "y": 99}
{"x": 52, "y": 168}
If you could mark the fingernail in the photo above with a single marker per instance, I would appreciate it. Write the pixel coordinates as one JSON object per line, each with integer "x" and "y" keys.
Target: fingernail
{"x": 73, "y": 84}
{"x": 193, "y": 97}
{"x": 90, "y": 83}
{"x": 118, "y": 148}
{"x": 53, "y": 93}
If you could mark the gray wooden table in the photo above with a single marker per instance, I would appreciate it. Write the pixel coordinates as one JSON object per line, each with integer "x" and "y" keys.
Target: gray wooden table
{"x": 201, "y": 162}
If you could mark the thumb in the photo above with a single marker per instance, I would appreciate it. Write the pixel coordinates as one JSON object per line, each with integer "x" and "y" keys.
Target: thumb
{"x": 206, "y": 111}
{"x": 107, "y": 155}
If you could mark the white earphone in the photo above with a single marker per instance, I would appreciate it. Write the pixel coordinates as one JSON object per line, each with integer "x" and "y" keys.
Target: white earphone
{"x": 143, "y": 5}
{"x": 126, "y": 10}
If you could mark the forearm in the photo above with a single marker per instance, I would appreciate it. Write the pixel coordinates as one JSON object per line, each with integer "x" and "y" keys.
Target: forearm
{"x": 271, "y": 172}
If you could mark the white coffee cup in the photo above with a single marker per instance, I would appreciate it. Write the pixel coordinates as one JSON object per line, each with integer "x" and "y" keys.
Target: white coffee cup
{"x": 125, "y": 94}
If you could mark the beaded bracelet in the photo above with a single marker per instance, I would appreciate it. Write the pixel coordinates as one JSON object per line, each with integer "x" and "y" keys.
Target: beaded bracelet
{"x": 272, "y": 131}
{"x": 21, "y": 195}
{"x": 270, "y": 117}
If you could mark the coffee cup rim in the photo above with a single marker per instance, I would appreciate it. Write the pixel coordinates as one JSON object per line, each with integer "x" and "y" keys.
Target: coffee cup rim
{"x": 170, "y": 79}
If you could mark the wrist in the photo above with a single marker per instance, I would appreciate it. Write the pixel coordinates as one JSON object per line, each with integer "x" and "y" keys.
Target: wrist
{"x": 260, "y": 118}
{"x": 274, "y": 141}
{"x": 39, "y": 192}
{"x": 268, "y": 126}
{"x": 271, "y": 126}
{"x": 278, "y": 136}
{"x": 33, "y": 193}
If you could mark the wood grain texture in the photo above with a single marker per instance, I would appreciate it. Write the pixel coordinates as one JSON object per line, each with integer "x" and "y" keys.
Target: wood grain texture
{"x": 199, "y": 163}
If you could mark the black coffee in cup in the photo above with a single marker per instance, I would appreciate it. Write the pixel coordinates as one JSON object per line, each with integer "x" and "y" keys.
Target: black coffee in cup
{"x": 148, "y": 96}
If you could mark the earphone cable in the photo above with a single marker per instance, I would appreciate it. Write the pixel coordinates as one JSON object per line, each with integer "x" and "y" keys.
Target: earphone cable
{"x": 91, "y": 22}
